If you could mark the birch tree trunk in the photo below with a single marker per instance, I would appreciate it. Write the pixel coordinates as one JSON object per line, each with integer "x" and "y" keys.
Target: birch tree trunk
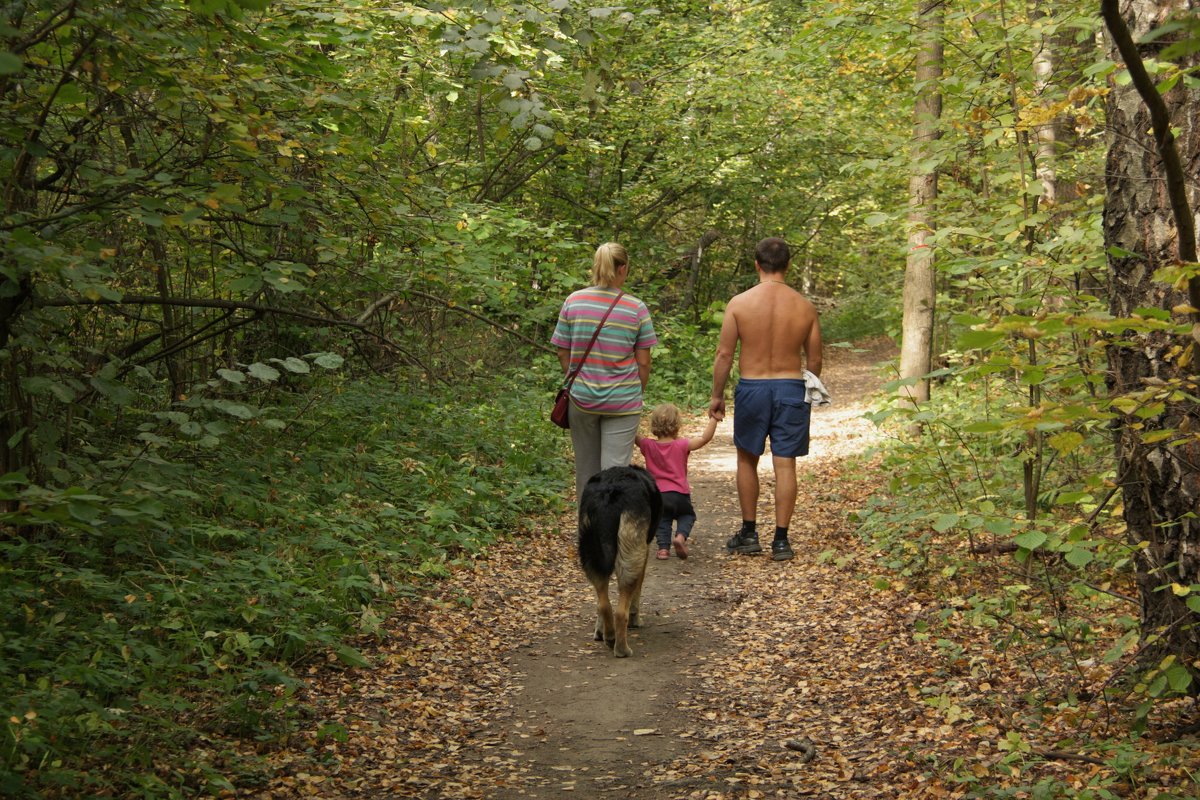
{"x": 916, "y": 349}
{"x": 1045, "y": 132}
{"x": 1160, "y": 481}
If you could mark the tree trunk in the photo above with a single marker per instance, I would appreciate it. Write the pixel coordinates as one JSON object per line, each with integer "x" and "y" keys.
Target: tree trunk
{"x": 1045, "y": 132}
{"x": 916, "y": 350}
{"x": 694, "y": 260}
{"x": 1160, "y": 481}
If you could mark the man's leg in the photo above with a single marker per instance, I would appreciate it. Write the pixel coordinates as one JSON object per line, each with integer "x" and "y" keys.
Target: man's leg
{"x": 746, "y": 539}
{"x": 747, "y": 484}
{"x": 785, "y": 505}
{"x": 785, "y": 490}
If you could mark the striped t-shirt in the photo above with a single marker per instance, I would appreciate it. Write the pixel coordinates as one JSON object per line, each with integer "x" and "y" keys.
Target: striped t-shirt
{"x": 608, "y": 382}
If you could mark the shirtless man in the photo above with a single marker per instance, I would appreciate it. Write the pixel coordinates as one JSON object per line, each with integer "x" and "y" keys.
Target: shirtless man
{"x": 774, "y": 324}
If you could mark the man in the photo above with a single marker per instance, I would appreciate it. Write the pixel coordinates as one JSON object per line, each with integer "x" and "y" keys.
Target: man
{"x": 774, "y": 324}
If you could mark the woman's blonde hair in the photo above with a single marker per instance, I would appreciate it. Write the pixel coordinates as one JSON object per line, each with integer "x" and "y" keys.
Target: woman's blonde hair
{"x": 610, "y": 256}
{"x": 664, "y": 420}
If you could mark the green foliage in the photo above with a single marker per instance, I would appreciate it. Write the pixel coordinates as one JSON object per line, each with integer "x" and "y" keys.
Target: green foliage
{"x": 682, "y": 367}
{"x": 859, "y": 317}
{"x": 277, "y": 552}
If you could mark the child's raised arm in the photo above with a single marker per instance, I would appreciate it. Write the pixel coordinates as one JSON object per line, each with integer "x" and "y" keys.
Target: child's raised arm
{"x": 696, "y": 442}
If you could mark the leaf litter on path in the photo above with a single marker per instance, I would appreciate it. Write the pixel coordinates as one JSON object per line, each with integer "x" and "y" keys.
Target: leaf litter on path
{"x": 750, "y": 678}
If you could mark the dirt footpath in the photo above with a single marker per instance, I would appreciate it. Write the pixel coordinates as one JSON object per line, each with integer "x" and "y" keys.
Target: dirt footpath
{"x": 609, "y": 721}
{"x": 750, "y": 678}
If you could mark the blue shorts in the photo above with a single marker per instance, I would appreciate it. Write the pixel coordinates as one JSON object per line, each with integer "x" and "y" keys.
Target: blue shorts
{"x": 772, "y": 407}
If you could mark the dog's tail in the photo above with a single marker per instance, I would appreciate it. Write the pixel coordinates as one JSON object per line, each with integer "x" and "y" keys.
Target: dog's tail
{"x": 598, "y": 553}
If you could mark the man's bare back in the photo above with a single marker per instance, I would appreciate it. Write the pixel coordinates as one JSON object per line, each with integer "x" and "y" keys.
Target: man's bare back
{"x": 778, "y": 332}
{"x": 775, "y": 324}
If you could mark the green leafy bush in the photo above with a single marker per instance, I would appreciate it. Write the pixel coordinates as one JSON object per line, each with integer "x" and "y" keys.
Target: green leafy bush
{"x": 147, "y": 615}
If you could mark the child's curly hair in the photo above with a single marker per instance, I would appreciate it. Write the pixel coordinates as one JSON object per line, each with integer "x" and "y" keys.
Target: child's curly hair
{"x": 665, "y": 421}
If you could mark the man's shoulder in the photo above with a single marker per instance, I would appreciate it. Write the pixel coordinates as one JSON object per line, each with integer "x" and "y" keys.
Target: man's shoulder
{"x": 741, "y": 298}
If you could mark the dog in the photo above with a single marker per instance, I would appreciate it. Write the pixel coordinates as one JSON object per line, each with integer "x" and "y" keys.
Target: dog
{"x": 618, "y": 513}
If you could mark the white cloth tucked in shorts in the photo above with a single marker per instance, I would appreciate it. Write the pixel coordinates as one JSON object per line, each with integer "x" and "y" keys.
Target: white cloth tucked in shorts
{"x": 815, "y": 391}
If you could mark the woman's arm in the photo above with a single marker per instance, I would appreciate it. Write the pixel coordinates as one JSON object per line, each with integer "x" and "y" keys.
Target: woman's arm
{"x": 642, "y": 354}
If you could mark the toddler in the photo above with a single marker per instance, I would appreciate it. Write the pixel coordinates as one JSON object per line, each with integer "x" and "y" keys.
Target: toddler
{"x": 667, "y": 459}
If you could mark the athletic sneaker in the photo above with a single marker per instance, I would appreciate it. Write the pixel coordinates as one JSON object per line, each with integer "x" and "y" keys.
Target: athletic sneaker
{"x": 742, "y": 542}
{"x": 781, "y": 550}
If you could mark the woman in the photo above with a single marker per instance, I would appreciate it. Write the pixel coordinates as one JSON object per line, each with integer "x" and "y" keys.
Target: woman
{"x": 606, "y": 397}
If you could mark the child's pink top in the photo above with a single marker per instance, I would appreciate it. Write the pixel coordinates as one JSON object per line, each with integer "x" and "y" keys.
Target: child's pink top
{"x": 667, "y": 462}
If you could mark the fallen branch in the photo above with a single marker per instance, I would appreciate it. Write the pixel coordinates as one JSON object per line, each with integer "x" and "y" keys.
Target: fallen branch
{"x": 1062, "y": 755}
{"x": 806, "y": 749}
{"x": 995, "y": 548}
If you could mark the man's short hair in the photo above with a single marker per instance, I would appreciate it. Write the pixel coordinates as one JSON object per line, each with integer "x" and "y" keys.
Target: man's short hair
{"x": 772, "y": 254}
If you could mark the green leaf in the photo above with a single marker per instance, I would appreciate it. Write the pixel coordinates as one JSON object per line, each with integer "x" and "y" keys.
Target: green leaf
{"x": 1079, "y": 557}
{"x": 112, "y": 390}
{"x": 234, "y": 409}
{"x": 999, "y": 527}
{"x": 10, "y": 63}
{"x": 1119, "y": 648}
{"x": 1179, "y": 678}
{"x": 351, "y": 657}
{"x": 945, "y": 522}
{"x": 40, "y": 385}
{"x": 16, "y": 438}
{"x": 232, "y": 375}
{"x": 972, "y": 340}
{"x": 1030, "y": 540}
{"x": 84, "y": 512}
{"x": 1066, "y": 441}
{"x": 293, "y": 364}
{"x": 70, "y": 95}
{"x": 328, "y": 360}
{"x": 262, "y": 372}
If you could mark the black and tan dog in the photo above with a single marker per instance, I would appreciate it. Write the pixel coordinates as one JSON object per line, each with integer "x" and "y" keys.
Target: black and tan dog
{"x": 618, "y": 514}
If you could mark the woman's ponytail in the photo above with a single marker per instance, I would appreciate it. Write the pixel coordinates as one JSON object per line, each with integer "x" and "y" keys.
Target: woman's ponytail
{"x": 610, "y": 257}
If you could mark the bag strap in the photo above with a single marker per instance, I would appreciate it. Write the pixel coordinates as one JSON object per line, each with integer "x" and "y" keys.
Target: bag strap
{"x": 574, "y": 372}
